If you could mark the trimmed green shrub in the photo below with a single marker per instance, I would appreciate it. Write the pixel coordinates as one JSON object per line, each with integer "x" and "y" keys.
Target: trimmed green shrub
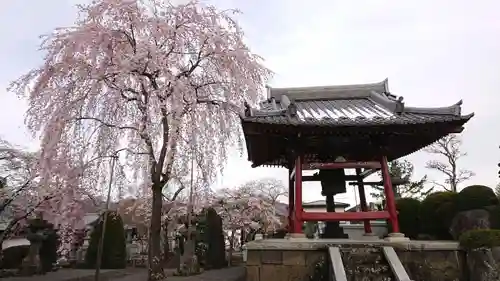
{"x": 114, "y": 254}
{"x": 436, "y": 213}
{"x": 310, "y": 228}
{"x": 480, "y": 238}
{"x": 409, "y": 216}
{"x": 476, "y": 197}
{"x": 216, "y": 252}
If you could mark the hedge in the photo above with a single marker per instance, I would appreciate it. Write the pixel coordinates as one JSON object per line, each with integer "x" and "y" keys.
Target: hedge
{"x": 409, "y": 216}
{"x": 480, "y": 238}
{"x": 436, "y": 213}
{"x": 476, "y": 197}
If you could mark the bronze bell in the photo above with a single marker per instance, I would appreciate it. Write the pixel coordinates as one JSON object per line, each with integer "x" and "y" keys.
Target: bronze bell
{"x": 332, "y": 181}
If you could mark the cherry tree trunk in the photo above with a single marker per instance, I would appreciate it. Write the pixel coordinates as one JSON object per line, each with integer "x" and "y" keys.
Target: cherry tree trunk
{"x": 154, "y": 250}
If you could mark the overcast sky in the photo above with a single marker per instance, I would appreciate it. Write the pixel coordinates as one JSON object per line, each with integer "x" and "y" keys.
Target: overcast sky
{"x": 434, "y": 53}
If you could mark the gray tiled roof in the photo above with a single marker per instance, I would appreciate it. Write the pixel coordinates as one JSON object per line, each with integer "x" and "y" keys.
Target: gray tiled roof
{"x": 366, "y": 104}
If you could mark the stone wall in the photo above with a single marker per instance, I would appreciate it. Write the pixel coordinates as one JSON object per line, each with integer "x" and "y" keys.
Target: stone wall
{"x": 277, "y": 265}
{"x": 428, "y": 265}
{"x": 294, "y": 260}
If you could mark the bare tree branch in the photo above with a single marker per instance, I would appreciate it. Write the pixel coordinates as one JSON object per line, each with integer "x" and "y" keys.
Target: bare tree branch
{"x": 448, "y": 148}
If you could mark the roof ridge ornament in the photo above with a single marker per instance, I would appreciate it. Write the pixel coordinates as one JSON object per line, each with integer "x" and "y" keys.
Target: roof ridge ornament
{"x": 288, "y": 105}
{"x": 388, "y": 101}
{"x": 400, "y": 106}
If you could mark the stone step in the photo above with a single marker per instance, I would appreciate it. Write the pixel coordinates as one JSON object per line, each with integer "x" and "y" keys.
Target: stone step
{"x": 366, "y": 264}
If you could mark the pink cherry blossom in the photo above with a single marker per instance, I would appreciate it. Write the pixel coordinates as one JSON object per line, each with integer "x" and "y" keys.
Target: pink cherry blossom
{"x": 26, "y": 194}
{"x": 148, "y": 81}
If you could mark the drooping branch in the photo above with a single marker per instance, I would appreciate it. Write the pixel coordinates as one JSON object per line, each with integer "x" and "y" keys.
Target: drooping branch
{"x": 108, "y": 124}
{"x": 11, "y": 197}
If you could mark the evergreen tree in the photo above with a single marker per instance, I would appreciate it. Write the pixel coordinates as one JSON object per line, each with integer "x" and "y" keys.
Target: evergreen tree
{"x": 403, "y": 170}
{"x": 216, "y": 252}
{"x": 114, "y": 254}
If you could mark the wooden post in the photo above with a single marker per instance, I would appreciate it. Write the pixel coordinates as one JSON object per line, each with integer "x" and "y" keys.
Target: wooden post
{"x": 291, "y": 198}
{"x": 297, "y": 224}
{"x": 362, "y": 201}
{"x": 389, "y": 195}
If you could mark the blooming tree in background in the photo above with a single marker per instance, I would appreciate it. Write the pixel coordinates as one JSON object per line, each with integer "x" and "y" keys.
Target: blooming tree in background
{"x": 243, "y": 209}
{"x": 24, "y": 193}
{"x": 139, "y": 79}
{"x": 18, "y": 178}
{"x": 270, "y": 188}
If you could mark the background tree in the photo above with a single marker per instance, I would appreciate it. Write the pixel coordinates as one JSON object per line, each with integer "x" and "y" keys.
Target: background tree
{"x": 270, "y": 188}
{"x": 136, "y": 210}
{"x": 497, "y": 190}
{"x": 449, "y": 149}
{"x": 114, "y": 252}
{"x": 243, "y": 209}
{"x": 140, "y": 85}
{"x": 18, "y": 178}
{"x": 403, "y": 169}
{"x": 23, "y": 194}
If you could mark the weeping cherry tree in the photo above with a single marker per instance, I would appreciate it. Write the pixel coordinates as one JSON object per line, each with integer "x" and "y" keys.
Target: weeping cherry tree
{"x": 138, "y": 79}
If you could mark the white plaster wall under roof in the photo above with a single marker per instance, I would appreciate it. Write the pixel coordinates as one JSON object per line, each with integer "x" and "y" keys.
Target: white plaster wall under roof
{"x": 320, "y": 206}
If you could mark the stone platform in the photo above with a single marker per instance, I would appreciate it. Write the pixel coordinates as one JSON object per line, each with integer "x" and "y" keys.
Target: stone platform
{"x": 295, "y": 258}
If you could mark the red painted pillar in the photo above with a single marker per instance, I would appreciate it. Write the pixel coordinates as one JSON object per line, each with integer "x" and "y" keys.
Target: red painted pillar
{"x": 297, "y": 224}
{"x": 364, "y": 208}
{"x": 291, "y": 202}
{"x": 362, "y": 201}
{"x": 389, "y": 195}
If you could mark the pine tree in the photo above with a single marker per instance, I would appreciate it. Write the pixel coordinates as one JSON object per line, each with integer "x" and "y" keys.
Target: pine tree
{"x": 403, "y": 170}
{"x": 114, "y": 254}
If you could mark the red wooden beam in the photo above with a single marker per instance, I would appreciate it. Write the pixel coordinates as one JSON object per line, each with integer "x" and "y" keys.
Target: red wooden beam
{"x": 341, "y": 165}
{"x": 344, "y": 216}
{"x": 316, "y": 177}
